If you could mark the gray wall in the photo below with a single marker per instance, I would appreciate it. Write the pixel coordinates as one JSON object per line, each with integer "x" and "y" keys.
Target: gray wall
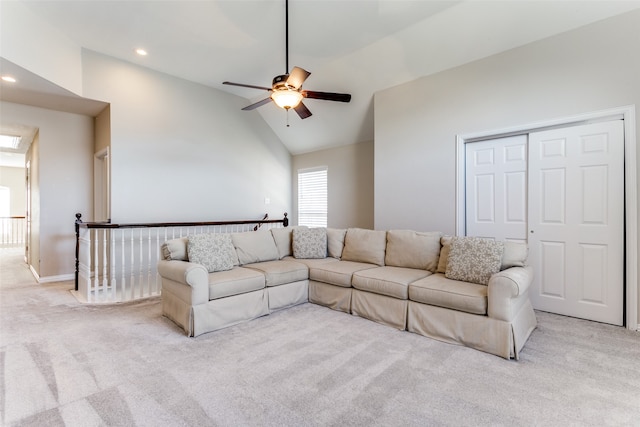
{"x": 593, "y": 68}
{"x": 185, "y": 152}
{"x": 13, "y": 178}
{"x": 349, "y": 182}
{"x": 61, "y": 183}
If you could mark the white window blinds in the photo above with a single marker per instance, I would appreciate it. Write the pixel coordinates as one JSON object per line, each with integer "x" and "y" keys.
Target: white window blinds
{"x": 312, "y": 197}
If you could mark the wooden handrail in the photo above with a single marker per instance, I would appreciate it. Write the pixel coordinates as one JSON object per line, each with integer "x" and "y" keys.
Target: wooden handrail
{"x": 284, "y": 221}
{"x": 108, "y": 225}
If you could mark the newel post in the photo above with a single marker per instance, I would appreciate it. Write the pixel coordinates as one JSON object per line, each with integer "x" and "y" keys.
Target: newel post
{"x": 78, "y": 222}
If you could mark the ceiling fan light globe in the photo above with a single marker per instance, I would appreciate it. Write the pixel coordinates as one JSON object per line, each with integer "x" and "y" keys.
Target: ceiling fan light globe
{"x": 286, "y": 98}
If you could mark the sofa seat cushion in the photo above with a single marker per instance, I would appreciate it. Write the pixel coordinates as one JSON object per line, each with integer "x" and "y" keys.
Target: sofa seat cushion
{"x": 337, "y": 273}
{"x": 442, "y": 292}
{"x": 281, "y": 272}
{"x": 236, "y": 281}
{"x": 388, "y": 280}
{"x": 312, "y": 262}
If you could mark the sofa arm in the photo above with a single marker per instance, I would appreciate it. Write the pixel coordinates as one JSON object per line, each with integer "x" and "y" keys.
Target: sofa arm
{"x": 508, "y": 291}
{"x": 190, "y": 281}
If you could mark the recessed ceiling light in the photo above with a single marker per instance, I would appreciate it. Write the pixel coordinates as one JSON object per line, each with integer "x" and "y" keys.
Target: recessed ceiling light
{"x": 141, "y": 52}
{"x": 9, "y": 79}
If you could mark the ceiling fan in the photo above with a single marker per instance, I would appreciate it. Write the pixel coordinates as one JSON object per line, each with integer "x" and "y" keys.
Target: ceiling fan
{"x": 286, "y": 89}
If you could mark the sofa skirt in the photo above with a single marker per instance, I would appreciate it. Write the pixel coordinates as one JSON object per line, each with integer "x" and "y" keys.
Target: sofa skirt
{"x": 335, "y": 297}
{"x": 288, "y": 295}
{"x": 223, "y": 312}
{"x": 380, "y": 308}
{"x": 483, "y": 333}
{"x": 176, "y": 305}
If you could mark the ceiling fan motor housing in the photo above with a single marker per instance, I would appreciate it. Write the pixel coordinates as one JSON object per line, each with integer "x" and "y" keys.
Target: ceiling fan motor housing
{"x": 280, "y": 82}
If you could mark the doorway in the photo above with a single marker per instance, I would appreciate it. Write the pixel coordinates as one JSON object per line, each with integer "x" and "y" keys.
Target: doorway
{"x": 542, "y": 213}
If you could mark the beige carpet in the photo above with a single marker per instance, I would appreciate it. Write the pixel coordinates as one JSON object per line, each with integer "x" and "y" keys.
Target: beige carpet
{"x": 62, "y": 363}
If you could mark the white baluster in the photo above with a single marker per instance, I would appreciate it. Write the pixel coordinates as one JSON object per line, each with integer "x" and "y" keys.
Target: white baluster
{"x": 105, "y": 290}
{"x": 140, "y": 284}
{"x": 96, "y": 275}
{"x": 113, "y": 283}
{"x": 123, "y": 267}
{"x": 149, "y": 262}
{"x": 132, "y": 283}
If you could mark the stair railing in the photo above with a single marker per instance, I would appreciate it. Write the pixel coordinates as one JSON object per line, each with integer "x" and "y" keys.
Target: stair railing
{"x": 117, "y": 262}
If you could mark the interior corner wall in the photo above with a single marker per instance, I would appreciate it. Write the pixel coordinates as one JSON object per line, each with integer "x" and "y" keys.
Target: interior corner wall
{"x": 181, "y": 151}
{"x": 102, "y": 137}
{"x": 589, "y": 69}
{"x": 33, "y": 158}
{"x": 61, "y": 183}
{"x": 349, "y": 183}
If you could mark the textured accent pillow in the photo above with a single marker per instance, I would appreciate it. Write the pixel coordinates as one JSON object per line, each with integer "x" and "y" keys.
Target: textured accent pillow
{"x": 255, "y": 246}
{"x": 473, "y": 259}
{"x": 310, "y": 243}
{"x": 335, "y": 241}
{"x": 214, "y": 251}
{"x": 514, "y": 255}
{"x": 413, "y": 249}
{"x": 445, "y": 242}
{"x": 361, "y": 245}
{"x": 175, "y": 249}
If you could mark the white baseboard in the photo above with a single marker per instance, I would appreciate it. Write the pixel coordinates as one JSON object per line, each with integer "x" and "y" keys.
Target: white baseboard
{"x": 50, "y": 279}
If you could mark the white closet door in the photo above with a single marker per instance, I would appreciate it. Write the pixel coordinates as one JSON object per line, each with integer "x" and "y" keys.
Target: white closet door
{"x": 576, "y": 221}
{"x": 496, "y": 188}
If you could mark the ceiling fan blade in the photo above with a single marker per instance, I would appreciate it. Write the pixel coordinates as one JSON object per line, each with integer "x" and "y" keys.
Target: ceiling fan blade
{"x": 244, "y": 85}
{"x": 257, "y": 104}
{"x": 302, "y": 110}
{"x": 328, "y": 96}
{"x": 297, "y": 76}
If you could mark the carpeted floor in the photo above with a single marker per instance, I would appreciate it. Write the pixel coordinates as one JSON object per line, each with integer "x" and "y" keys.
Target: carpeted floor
{"x": 62, "y": 363}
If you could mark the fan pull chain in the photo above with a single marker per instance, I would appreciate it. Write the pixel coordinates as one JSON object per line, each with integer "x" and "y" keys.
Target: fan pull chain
{"x": 288, "y": 116}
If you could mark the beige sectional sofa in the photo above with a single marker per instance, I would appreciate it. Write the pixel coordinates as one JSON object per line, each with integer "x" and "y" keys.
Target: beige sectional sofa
{"x": 460, "y": 290}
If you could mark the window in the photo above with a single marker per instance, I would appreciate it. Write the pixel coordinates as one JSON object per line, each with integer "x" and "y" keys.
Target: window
{"x": 312, "y": 197}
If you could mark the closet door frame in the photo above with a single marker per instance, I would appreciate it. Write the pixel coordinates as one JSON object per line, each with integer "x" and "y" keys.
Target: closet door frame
{"x": 628, "y": 114}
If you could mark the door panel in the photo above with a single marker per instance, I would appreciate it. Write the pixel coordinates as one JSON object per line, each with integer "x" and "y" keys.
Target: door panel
{"x": 576, "y": 221}
{"x": 496, "y": 182}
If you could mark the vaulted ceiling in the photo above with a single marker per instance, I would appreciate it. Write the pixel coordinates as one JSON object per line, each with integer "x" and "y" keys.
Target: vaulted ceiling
{"x": 353, "y": 46}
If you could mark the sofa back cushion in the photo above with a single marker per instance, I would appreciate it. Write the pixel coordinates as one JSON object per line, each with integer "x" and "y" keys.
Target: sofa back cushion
{"x": 362, "y": 245}
{"x": 413, "y": 249}
{"x": 214, "y": 251}
{"x": 310, "y": 243}
{"x": 283, "y": 239}
{"x": 445, "y": 248}
{"x": 254, "y": 246}
{"x": 175, "y": 249}
{"x": 335, "y": 242}
{"x": 474, "y": 259}
{"x": 514, "y": 255}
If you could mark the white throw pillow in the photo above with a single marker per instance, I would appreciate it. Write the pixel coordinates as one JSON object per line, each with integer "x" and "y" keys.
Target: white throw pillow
{"x": 473, "y": 259}
{"x": 214, "y": 251}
